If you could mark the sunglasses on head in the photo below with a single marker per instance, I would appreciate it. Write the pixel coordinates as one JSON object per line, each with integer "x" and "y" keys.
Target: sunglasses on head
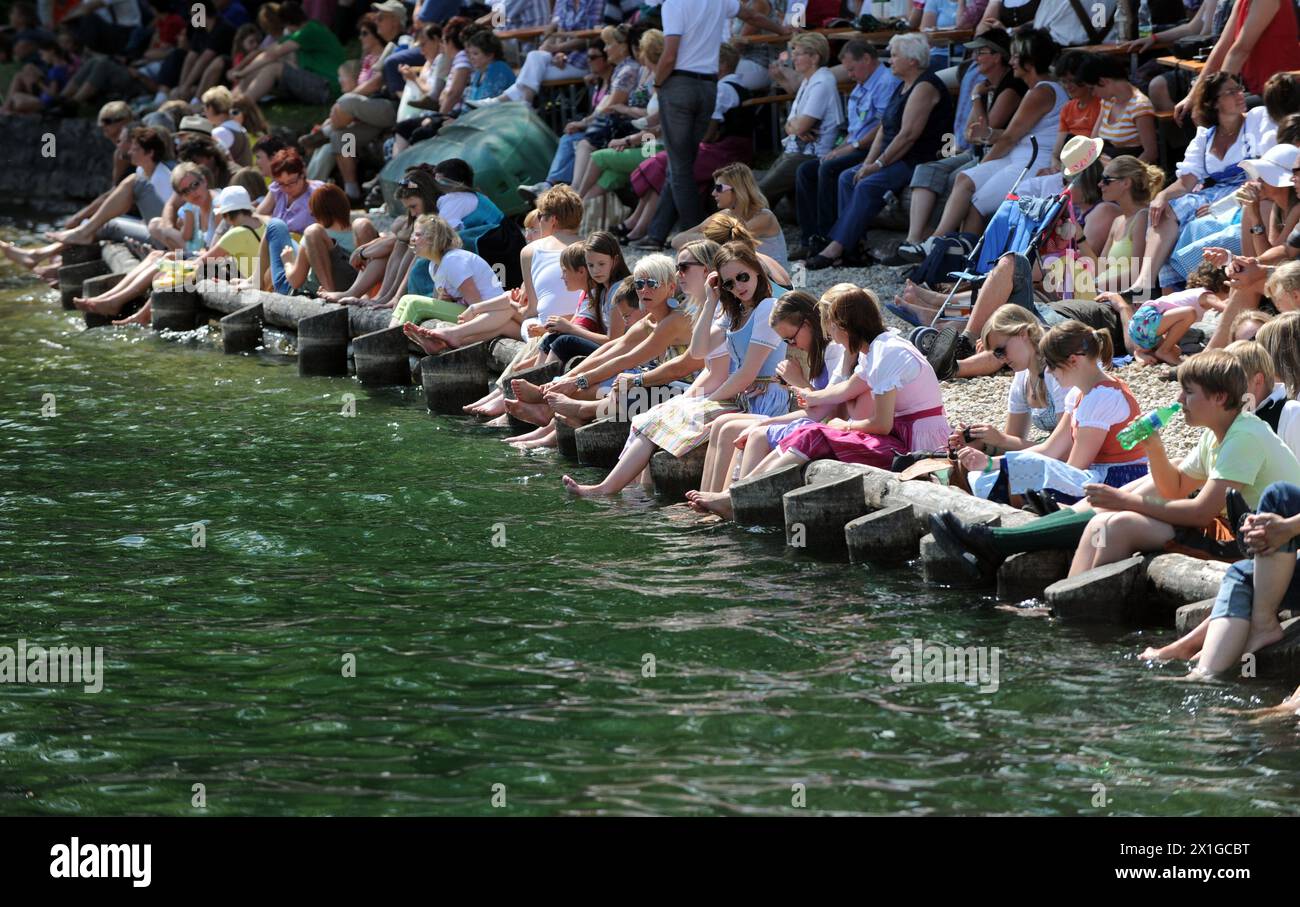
{"x": 642, "y": 283}
{"x": 730, "y": 283}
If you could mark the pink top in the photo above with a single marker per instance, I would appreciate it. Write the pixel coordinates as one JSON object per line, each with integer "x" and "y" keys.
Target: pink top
{"x": 892, "y": 364}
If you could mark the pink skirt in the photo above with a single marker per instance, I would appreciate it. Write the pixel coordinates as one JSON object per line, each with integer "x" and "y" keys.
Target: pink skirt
{"x": 651, "y": 175}
{"x": 821, "y": 442}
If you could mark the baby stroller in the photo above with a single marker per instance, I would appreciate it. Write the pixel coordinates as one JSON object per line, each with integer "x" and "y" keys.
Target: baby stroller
{"x": 1019, "y": 225}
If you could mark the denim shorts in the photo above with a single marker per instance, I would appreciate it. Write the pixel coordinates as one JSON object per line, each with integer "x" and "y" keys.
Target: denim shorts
{"x": 1237, "y": 591}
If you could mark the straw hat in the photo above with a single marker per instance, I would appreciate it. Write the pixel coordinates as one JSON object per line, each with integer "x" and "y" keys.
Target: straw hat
{"x": 1079, "y": 153}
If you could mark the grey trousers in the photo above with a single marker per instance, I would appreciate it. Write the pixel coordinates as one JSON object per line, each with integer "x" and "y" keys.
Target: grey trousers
{"x": 685, "y": 108}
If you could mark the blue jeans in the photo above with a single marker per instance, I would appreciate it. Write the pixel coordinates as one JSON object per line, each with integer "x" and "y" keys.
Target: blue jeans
{"x": 860, "y": 204}
{"x": 816, "y": 186}
{"x": 1237, "y": 591}
{"x": 277, "y": 238}
{"x": 438, "y": 10}
{"x": 562, "y": 163}
{"x": 408, "y": 56}
{"x": 568, "y": 346}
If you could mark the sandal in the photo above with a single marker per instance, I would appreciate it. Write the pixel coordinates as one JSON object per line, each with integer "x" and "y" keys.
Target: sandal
{"x": 906, "y": 314}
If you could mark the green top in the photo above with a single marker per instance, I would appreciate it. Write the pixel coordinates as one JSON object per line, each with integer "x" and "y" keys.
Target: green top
{"x": 1250, "y": 454}
{"x": 318, "y": 51}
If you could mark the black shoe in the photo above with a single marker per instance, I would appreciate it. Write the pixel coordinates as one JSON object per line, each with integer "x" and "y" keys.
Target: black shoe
{"x": 821, "y": 262}
{"x": 1040, "y": 503}
{"x": 971, "y": 545}
{"x": 1238, "y": 510}
{"x": 950, "y": 346}
{"x": 375, "y": 197}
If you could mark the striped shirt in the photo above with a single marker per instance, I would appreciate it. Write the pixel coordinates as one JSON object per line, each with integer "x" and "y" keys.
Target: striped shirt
{"x": 1117, "y": 122}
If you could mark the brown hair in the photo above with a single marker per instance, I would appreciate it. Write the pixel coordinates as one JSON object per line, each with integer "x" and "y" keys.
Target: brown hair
{"x": 1281, "y": 337}
{"x": 602, "y": 242}
{"x": 1255, "y": 315}
{"x": 1281, "y": 95}
{"x": 562, "y": 203}
{"x": 1209, "y": 277}
{"x": 287, "y": 160}
{"x": 1205, "y": 97}
{"x": 1215, "y": 372}
{"x": 801, "y": 307}
{"x": 1074, "y": 338}
{"x": 329, "y": 205}
{"x": 151, "y": 141}
{"x": 744, "y": 255}
{"x": 573, "y": 257}
{"x": 855, "y": 311}
{"x": 723, "y": 228}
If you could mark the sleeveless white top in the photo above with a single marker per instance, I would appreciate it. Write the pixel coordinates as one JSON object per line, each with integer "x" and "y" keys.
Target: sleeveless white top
{"x": 548, "y": 283}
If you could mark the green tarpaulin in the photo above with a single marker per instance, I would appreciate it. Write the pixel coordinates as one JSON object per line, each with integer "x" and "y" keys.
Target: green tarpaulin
{"x": 506, "y": 144}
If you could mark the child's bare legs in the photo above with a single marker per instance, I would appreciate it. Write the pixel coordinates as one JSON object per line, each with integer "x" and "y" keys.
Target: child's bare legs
{"x": 141, "y": 317}
{"x": 316, "y": 247}
{"x": 133, "y": 285}
{"x": 1114, "y": 535}
{"x": 1182, "y": 649}
{"x": 1173, "y": 325}
{"x": 635, "y": 458}
{"x": 723, "y": 433}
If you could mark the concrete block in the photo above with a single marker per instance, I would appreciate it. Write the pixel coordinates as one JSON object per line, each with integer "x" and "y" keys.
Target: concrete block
{"x": 599, "y": 443}
{"x": 381, "y": 357}
{"x": 1188, "y": 617}
{"x": 241, "y": 330}
{"x": 674, "y": 476}
{"x": 539, "y": 374}
{"x": 815, "y": 516}
{"x": 1282, "y": 659}
{"x": 323, "y": 343}
{"x": 759, "y": 501}
{"x": 174, "y": 310}
{"x": 891, "y": 536}
{"x": 1028, "y": 574}
{"x": 565, "y": 440}
{"x": 455, "y": 378}
{"x": 71, "y": 278}
{"x": 1104, "y": 594}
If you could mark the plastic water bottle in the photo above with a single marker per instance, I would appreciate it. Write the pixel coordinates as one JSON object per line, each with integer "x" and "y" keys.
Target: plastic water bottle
{"x": 1145, "y": 425}
{"x": 1144, "y": 20}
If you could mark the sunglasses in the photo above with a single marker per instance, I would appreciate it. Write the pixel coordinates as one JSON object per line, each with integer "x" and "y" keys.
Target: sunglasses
{"x": 742, "y": 277}
{"x": 186, "y": 190}
{"x": 642, "y": 283}
{"x": 1000, "y": 353}
{"x": 719, "y": 188}
{"x": 1107, "y": 180}
{"x": 683, "y": 266}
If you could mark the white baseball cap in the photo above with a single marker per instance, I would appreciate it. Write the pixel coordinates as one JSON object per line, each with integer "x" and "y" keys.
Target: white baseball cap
{"x": 233, "y": 198}
{"x": 1275, "y": 166}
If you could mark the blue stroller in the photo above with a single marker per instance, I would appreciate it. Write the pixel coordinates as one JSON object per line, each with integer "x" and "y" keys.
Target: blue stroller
{"x": 1019, "y": 225}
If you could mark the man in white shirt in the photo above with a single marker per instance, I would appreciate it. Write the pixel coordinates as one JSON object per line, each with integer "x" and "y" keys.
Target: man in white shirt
{"x": 686, "y": 80}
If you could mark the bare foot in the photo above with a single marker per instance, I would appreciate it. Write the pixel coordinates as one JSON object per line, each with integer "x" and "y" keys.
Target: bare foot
{"x": 1172, "y": 357}
{"x": 528, "y": 435}
{"x": 582, "y": 491}
{"x": 141, "y": 317}
{"x": 546, "y": 440}
{"x": 715, "y": 502}
{"x": 338, "y": 296}
{"x": 425, "y": 338}
{"x": 75, "y": 237}
{"x": 921, "y": 297}
{"x": 1259, "y": 638}
{"x": 526, "y": 391}
{"x": 1171, "y": 652}
{"x": 499, "y": 422}
{"x": 494, "y": 409}
{"x": 532, "y": 413}
{"x": 18, "y": 256}
{"x": 565, "y": 407}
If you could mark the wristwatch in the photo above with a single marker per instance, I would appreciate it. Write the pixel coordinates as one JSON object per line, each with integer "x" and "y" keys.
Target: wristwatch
{"x": 581, "y": 381}
{"x": 636, "y": 380}
{"x": 1258, "y": 229}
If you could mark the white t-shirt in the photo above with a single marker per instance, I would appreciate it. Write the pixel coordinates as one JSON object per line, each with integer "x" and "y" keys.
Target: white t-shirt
{"x": 1018, "y": 400}
{"x": 1260, "y": 125}
{"x": 454, "y": 207}
{"x": 702, "y": 25}
{"x": 818, "y": 97}
{"x": 458, "y": 266}
{"x": 1060, "y": 19}
{"x": 728, "y": 97}
{"x": 1102, "y": 408}
{"x": 1201, "y": 161}
{"x": 753, "y": 76}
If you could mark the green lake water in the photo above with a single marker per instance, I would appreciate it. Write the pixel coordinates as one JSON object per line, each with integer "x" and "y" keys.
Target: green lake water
{"x": 521, "y": 663}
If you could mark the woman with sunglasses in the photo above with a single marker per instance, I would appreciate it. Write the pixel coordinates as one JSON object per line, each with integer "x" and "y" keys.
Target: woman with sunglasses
{"x": 736, "y": 436}
{"x": 192, "y": 225}
{"x": 654, "y": 350}
{"x": 736, "y": 192}
{"x": 1209, "y": 170}
{"x": 749, "y": 383}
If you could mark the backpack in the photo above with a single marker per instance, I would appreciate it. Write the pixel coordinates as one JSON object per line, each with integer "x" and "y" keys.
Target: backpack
{"x": 947, "y": 254}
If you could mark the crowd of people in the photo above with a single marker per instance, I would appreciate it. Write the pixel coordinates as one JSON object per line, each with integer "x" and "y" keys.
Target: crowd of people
{"x": 1192, "y": 268}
